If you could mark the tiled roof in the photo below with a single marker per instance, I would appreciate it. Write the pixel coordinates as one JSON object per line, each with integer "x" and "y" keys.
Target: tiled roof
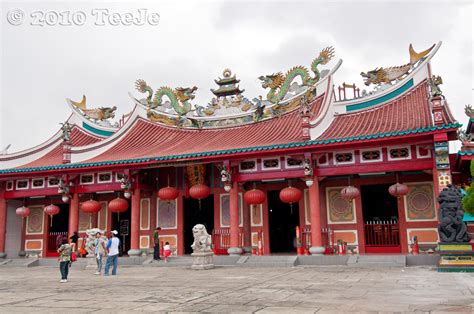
{"x": 151, "y": 139}
{"x": 410, "y": 111}
{"x": 451, "y": 127}
{"x": 55, "y": 156}
{"x": 148, "y": 142}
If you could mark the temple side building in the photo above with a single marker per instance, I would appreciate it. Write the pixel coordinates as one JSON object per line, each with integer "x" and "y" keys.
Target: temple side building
{"x": 365, "y": 170}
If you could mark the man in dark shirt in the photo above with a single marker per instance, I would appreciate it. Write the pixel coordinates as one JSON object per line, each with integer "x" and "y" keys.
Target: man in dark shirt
{"x": 156, "y": 241}
{"x": 74, "y": 239}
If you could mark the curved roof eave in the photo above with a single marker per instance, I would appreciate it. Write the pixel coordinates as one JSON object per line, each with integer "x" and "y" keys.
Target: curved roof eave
{"x": 343, "y": 105}
{"x": 336, "y": 108}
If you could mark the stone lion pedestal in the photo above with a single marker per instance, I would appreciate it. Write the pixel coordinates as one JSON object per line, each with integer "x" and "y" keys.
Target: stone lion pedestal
{"x": 203, "y": 257}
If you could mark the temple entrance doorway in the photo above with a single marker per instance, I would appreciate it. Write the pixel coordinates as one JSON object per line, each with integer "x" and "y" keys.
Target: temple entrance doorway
{"x": 57, "y": 228}
{"x": 197, "y": 214}
{"x": 283, "y": 220}
{"x": 121, "y": 223}
{"x": 381, "y": 226}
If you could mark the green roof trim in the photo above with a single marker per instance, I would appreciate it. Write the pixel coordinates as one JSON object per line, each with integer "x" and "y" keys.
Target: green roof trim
{"x": 238, "y": 150}
{"x": 370, "y": 103}
{"x": 90, "y": 128}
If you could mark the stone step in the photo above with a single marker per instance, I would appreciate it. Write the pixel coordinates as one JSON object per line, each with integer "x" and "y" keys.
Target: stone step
{"x": 267, "y": 261}
{"x": 19, "y": 262}
{"x": 377, "y": 261}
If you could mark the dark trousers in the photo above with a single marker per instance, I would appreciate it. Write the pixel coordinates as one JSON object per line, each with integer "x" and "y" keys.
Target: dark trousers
{"x": 156, "y": 251}
{"x": 64, "y": 269}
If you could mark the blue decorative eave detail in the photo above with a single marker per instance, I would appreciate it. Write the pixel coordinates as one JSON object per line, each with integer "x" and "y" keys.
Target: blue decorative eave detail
{"x": 90, "y": 128}
{"x": 466, "y": 153}
{"x": 240, "y": 150}
{"x": 370, "y": 103}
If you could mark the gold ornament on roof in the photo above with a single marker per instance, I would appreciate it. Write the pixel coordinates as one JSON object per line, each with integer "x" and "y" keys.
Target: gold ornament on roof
{"x": 101, "y": 113}
{"x": 227, "y": 72}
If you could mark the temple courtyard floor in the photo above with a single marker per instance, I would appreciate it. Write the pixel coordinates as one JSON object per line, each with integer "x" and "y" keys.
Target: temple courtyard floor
{"x": 234, "y": 289}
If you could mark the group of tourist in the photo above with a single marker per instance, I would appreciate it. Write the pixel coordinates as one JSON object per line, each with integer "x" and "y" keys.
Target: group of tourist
{"x": 102, "y": 248}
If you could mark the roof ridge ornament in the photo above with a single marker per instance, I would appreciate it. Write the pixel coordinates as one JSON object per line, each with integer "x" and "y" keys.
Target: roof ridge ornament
{"x": 281, "y": 85}
{"x": 178, "y": 97}
{"x": 434, "y": 83}
{"x": 96, "y": 114}
{"x": 390, "y": 74}
{"x": 469, "y": 111}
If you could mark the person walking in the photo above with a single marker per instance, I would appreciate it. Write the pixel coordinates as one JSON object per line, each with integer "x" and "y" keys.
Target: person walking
{"x": 64, "y": 259}
{"x": 113, "y": 251}
{"x": 156, "y": 241}
{"x": 74, "y": 238}
{"x": 99, "y": 252}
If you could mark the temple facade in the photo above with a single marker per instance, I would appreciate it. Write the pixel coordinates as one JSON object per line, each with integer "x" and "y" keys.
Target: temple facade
{"x": 305, "y": 166}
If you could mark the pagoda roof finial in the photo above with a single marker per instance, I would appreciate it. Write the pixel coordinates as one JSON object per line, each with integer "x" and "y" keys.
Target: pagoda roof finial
{"x": 227, "y": 85}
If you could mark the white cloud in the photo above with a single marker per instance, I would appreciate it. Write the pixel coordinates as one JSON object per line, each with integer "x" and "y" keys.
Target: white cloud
{"x": 194, "y": 42}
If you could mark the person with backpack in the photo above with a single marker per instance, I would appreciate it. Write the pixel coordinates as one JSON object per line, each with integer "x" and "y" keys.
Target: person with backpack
{"x": 113, "y": 252}
{"x": 65, "y": 251}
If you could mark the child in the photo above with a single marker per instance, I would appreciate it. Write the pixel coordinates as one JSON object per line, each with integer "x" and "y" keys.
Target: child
{"x": 166, "y": 251}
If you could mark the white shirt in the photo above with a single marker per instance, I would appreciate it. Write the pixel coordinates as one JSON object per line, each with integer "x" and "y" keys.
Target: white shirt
{"x": 113, "y": 245}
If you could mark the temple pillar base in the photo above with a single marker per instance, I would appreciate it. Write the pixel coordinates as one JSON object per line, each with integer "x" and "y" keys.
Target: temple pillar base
{"x": 134, "y": 253}
{"x": 3, "y": 255}
{"x": 316, "y": 250}
{"x": 234, "y": 251}
{"x": 202, "y": 260}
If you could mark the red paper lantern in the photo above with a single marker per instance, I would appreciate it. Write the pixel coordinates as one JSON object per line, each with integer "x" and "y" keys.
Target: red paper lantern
{"x": 199, "y": 191}
{"x": 290, "y": 195}
{"x": 254, "y": 197}
{"x": 91, "y": 207}
{"x": 350, "y": 192}
{"x": 51, "y": 210}
{"x": 168, "y": 193}
{"x": 118, "y": 205}
{"x": 23, "y": 211}
{"x": 398, "y": 189}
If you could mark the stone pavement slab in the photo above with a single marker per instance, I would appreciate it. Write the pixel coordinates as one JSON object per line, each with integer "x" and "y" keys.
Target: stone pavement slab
{"x": 236, "y": 290}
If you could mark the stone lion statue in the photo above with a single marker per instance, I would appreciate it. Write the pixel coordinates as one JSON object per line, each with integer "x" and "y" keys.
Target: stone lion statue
{"x": 90, "y": 248}
{"x": 202, "y": 240}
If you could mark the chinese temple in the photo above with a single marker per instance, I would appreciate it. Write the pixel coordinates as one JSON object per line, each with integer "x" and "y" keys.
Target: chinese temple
{"x": 306, "y": 165}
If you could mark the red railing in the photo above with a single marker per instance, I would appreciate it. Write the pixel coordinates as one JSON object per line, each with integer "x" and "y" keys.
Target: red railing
{"x": 327, "y": 238}
{"x": 221, "y": 240}
{"x": 382, "y": 234}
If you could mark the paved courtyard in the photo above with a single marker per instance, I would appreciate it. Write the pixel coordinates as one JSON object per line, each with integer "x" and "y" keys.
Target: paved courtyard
{"x": 231, "y": 289}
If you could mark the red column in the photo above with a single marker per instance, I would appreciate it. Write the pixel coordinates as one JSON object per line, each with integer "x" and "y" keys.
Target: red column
{"x": 3, "y": 226}
{"x": 234, "y": 248}
{"x": 316, "y": 237}
{"x": 247, "y": 228}
{"x": 74, "y": 214}
{"x": 135, "y": 224}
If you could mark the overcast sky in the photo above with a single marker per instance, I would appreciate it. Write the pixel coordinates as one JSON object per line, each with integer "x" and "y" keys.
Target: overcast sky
{"x": 194, "y": 42}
